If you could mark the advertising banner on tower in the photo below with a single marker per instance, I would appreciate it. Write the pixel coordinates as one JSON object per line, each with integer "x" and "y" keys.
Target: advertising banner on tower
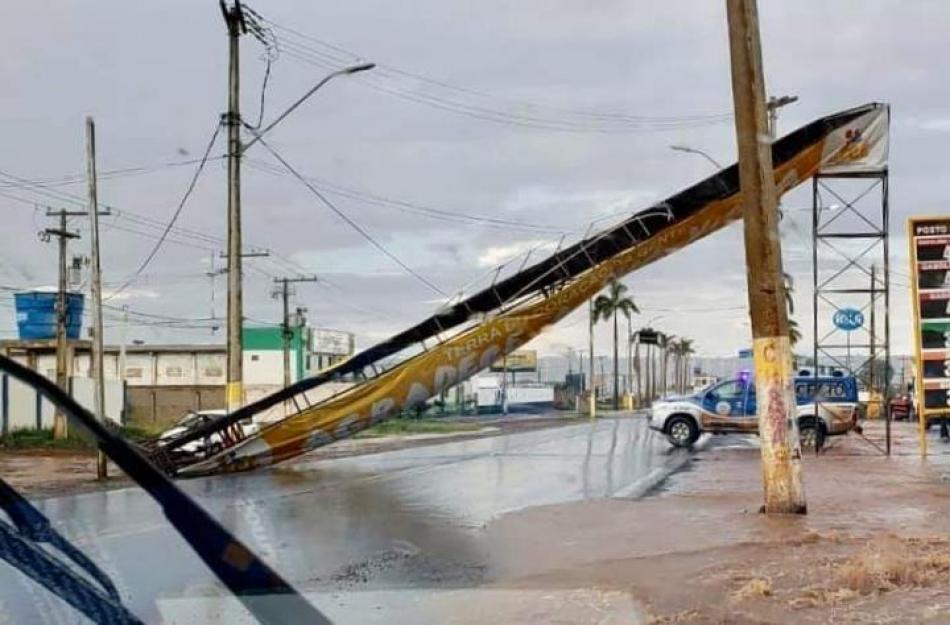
{"x": 861, "y": 149}
{"x": 930, "y": 269}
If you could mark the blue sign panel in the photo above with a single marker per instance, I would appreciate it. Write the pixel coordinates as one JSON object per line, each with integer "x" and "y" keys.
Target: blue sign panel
{"x": 745, "y": 353}
{"x": 848, "y": 319}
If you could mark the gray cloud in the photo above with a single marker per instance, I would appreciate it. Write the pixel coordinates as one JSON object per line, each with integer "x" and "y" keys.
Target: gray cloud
{"x": 154, "y": 77}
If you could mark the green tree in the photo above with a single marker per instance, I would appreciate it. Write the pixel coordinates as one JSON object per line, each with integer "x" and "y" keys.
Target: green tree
{"x": 668, "y": 343}
{"x": 683, "y": 349}
{"x": 606, "y": 307}
{"x": 674, "y": 350}
{"x": 794, "y": 332}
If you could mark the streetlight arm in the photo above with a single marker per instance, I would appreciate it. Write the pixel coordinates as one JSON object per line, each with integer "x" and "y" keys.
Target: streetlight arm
{"x": 340, "y": 72}
{"x": 689, "y": 150}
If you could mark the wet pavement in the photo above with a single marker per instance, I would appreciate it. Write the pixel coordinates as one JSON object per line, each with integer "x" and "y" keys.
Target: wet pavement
{"x": 403, "y": 520}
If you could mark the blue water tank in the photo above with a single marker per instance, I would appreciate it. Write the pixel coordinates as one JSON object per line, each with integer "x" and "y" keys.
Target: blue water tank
{"x": 36, "y": 315}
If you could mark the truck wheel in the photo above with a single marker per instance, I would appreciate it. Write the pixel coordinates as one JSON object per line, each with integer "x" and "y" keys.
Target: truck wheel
{"x": 811, "y": 436}
{"x": 682, "y": 431}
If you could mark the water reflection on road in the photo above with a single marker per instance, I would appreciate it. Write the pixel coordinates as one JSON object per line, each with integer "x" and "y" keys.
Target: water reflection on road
{"x": 408, "y": 518}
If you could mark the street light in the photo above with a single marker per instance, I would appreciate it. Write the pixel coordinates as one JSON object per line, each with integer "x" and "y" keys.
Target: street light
{"x": 773, "y": 105}
{"x": 689, "y": 150}
{"x": 346, "y": 71}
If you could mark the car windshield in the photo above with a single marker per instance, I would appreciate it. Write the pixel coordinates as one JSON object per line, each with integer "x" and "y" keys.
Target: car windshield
{"x": 728, "y": 390}
{"x": 190, "y": 419}
{"x": 397, "y": 312}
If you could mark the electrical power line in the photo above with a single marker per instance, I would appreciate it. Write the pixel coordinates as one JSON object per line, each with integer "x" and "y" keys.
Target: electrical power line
{"x": 475, "y": 103}
{"x": 171, "y": 223}
{"x": 139, "y": 170}
{"x": 485, "y": 114}
{"x": 139, "y": 221}
{"x": 410, "y": 207}
{"x": 342, "y": 215}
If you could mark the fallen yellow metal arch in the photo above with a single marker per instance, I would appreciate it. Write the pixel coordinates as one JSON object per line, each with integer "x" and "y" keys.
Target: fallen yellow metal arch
{"x": 427, "y": 374}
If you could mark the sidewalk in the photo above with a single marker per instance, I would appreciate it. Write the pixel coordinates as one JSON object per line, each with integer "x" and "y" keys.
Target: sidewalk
{"x": 874, "y": 547}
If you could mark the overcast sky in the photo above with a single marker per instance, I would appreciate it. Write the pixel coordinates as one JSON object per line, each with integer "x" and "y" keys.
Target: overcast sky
{"x": 523, "y": 111}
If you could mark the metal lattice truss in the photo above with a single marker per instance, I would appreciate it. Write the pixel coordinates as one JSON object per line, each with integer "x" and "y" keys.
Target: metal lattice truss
{"x": 850, "y": 262}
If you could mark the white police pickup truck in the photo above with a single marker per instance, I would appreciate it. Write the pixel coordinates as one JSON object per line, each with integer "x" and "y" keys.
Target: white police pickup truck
{"x": 730, "y": 407}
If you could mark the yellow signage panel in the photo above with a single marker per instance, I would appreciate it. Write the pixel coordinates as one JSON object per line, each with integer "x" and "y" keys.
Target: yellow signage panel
{"x": 929, "y": 239}
{"x": 519, "y": 360}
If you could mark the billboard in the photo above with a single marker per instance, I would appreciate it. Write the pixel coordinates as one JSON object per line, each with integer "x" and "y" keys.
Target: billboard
{"x": 860, "y": 149}
{"x": 519, "y": 360}
{"x": 929, "y": 268}
{"x": 335, "y": 342}
{"x": 648, "y": 336}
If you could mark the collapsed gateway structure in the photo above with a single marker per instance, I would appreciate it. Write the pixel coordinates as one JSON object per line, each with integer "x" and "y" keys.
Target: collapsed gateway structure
{"x": 475, "y": 331}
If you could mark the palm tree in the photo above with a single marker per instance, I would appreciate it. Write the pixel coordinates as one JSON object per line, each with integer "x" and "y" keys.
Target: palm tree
{"x": 794, "y": 332}
{"x": 639, "y": 370}
{"x": 685, "y": 350}
{"x": 674, "y": 350}
{"x": 666, "y": 342}
{"x": 607, "y": 306}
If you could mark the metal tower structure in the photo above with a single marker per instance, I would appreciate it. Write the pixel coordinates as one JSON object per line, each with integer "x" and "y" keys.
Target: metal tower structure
{"x": 851, "y": 280}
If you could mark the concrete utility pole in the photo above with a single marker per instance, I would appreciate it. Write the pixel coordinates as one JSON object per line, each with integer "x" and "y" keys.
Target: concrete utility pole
{"x": 95, "y": 289}
{"x": 286, "y": 331}
{"x": 778, "y": 430}
{"x": 122, "y": 345}
{"x": 592, "y": 397}
{"x": 234, "y": 392}
{"x": 60, "y": 426}
{"x": 504, "y": 384}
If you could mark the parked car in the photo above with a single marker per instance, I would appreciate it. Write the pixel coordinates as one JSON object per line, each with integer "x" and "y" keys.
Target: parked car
{"x": 901, "y": 407}
{"x": 210, "y": 445}
{"x": 730, "y": 407}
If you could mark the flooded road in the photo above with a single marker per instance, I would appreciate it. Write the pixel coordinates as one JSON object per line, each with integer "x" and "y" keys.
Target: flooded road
{"x": 407, "y": 519}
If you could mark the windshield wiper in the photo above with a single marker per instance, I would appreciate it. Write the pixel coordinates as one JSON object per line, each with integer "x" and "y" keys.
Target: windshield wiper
{"x": 262, "y": 590}
{"x": 93, "y": 594}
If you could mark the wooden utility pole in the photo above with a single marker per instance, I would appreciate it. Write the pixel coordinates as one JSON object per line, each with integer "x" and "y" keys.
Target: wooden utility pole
{"x": 96, "y": 368}
{"x": 60, "y": 425}
{"x": 778, "y": 429}
{"x": 234, "y": 18}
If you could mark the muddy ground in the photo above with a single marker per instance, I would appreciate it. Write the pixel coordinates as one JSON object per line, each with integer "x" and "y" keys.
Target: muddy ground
{"x": 873, "y": 548}
{"x": 41, "y": 473}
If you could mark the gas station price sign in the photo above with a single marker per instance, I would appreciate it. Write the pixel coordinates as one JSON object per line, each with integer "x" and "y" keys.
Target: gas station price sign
{"x": 930, "y": 271}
